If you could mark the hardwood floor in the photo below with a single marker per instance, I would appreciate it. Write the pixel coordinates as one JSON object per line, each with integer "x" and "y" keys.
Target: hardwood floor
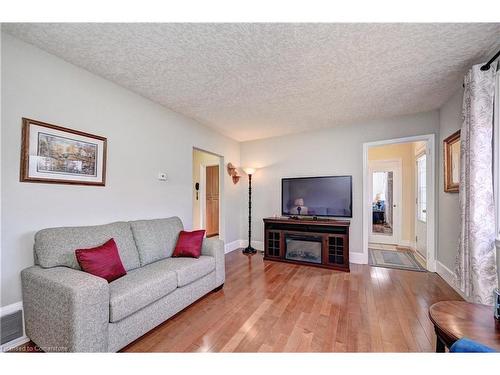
{"x": 279, "y": 307}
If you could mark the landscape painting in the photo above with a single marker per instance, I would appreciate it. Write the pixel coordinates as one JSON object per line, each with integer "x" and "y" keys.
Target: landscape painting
{"x": 54, "y": 154}
{"x": 66, "y": 156}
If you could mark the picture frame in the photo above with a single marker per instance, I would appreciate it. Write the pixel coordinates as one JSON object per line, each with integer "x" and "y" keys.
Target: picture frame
{"x": 57, "y": 155}
{"x": 451, "y": 149}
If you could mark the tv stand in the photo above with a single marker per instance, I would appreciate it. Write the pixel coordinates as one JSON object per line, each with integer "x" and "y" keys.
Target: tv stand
{"x": 311, "y": 241}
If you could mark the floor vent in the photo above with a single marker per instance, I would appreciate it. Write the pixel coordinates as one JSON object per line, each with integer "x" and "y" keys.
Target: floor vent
{"x": 11, "y": 326}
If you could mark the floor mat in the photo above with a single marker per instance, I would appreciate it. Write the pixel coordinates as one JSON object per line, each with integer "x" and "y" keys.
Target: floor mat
{"x": 394, "y": 259}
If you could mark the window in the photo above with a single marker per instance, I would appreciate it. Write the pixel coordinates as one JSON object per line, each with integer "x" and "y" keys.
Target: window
{"x": 421, "y": 188}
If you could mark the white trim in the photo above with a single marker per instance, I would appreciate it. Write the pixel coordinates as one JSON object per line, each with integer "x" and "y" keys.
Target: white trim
{"x": 357, "y": 258}
{"x": 9, "y": 309}
{"x": 395, "y": 165}
{"x": 241, "y": 244}
{"x": 231, "y": 246}
{"x": 407, "y": 243}
{"x": 202, "y": 195}
{"x": 431, "y": 193}
{"x": 14, "y": 343}
{"x": 415, "y": 203}
{"x": 448, "y": 276}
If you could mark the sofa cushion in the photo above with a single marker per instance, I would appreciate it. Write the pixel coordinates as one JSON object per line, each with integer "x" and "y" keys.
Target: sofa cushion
{"x": 102, "y": 261}
{"x": 156, "y": 238}
{"x": 56, "y": 246}
{"x": 139, "y": 288}
{"x": 189, "y": 244}
{"x": 190, "y": 269}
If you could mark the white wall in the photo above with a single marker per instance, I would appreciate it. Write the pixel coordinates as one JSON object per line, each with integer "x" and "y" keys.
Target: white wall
{"x": 335, "y": 151}
{"x": 450, "y": 120}
{"x": 143, "y": 139}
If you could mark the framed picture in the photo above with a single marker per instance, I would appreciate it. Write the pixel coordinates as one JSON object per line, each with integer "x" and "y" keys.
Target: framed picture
{"x": 53, "y": 154}
{"x": 451, "y": 148}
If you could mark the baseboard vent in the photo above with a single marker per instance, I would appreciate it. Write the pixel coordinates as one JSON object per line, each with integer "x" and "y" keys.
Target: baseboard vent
{"x": 11, "y": 326}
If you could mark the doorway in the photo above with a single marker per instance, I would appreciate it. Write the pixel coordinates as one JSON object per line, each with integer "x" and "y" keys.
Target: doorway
{"x": 212, "y": 200}
{"x": 398, "y": 214}
{"x": 207, "y": 191}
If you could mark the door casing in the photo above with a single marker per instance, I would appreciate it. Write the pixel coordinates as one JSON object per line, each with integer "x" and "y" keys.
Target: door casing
{"x": 430, "y": 140}
{"x": 420, "y": 226}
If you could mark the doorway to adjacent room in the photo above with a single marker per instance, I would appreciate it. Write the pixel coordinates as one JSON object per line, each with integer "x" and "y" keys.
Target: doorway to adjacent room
{"x": 398, "y": 189}
{"x": 207, "y": 169}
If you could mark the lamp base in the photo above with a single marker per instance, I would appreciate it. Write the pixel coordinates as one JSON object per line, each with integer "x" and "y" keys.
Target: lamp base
{"x": 249, "y": 250}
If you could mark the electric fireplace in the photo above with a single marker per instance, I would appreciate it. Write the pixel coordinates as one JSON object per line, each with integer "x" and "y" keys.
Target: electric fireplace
{"x": 303, "y": 248}
{"x": 312, "y": 242}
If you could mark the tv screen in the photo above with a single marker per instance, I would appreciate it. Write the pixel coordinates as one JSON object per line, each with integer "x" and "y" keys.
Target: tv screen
{"x": 317, "y": 196}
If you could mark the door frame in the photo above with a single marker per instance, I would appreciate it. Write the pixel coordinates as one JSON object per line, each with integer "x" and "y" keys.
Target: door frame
{"x": 430, "y": 150}
{"x": 418, "y": 155}
{"x": 396, "y": 165}
{"x": 202, "y": 193}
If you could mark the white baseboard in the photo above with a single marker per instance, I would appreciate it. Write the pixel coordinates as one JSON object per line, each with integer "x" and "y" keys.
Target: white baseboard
{"x": 9, "y": 309}
{"x": 407, "y": 243}
{"x": 240, "y": 244}
{"x": 358, "y": 258}
{"x": 8, "y": 346}
{"x": 448, "y": 276}
{"x": 231, "y": 246}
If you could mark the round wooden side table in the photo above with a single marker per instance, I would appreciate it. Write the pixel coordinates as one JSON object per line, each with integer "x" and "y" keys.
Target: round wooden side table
{"x": 454, "y": 320}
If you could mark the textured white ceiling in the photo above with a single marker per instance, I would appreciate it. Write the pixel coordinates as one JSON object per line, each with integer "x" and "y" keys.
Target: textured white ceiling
{"x": 252, "y": 81}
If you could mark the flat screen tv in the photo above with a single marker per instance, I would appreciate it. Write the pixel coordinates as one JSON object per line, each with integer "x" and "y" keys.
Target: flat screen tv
{"x": 329, "y": 196}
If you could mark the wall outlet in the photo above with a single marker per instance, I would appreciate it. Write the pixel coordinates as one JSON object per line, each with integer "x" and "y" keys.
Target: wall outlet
{"x": 162, "y": 176}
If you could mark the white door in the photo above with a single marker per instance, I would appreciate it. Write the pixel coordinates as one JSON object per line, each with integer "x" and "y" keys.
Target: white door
{"x": 421, "y": 206}
{"x": 385, "y": 189}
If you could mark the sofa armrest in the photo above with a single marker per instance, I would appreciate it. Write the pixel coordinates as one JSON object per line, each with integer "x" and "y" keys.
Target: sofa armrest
{"x": 215, "y": 248}
{"x": 65, "y": 309}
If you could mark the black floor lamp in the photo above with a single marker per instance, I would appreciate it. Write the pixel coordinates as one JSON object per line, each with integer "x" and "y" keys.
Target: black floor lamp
{"x": 249, "y": 249}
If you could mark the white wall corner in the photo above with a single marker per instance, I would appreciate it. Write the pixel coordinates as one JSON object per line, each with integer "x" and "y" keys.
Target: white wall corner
{"x": 448, "y": 276}
{"x": 9, "y": 309}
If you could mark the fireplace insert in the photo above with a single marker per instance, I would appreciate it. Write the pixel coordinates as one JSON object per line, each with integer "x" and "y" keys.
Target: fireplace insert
{"x": 303, "y": 247}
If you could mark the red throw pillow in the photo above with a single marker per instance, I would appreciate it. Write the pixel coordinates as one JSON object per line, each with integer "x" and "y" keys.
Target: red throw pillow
{"x": 189, "y": 244}
{"x": 103, "y": 261}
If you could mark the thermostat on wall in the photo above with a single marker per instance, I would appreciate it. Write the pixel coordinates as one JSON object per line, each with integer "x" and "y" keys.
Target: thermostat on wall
{"x": 162, "y": 176}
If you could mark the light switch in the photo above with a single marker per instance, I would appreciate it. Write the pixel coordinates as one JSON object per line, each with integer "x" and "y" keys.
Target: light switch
{"x": 162, "y": 176}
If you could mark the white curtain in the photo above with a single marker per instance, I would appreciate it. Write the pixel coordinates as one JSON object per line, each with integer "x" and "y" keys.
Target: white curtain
{"x": 475, "y": 267}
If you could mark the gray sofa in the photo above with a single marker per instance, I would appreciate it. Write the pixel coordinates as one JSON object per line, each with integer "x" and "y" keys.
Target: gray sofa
{"x": 67, "y": 309}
